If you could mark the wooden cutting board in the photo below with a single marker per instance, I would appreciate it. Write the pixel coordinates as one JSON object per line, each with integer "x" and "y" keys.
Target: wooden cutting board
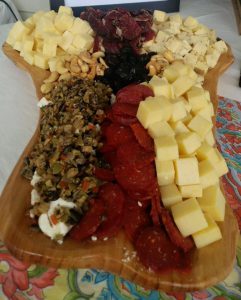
{"x": 209, "y": 265}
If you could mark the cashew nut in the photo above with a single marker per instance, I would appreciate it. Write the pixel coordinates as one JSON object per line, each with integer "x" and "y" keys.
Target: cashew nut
{"x": 65, "y": 76}
{"x": 74, "y": 67}
{"x": 53, "y": 77}
{"x": 98, "y": 54}
{"x": 152, "y": 70}
{"x": 60, "y": 67}
{"x": 46, "y": 87}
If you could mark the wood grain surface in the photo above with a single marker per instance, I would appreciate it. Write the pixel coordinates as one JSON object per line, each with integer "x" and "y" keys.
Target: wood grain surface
{"x": 209, "y": 265}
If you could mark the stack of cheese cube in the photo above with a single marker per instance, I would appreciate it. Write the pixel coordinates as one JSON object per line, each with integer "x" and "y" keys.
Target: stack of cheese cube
{"x": 45, "y": 38}
{"x": 188, "y": 165}
{"x": 187, "y": 39}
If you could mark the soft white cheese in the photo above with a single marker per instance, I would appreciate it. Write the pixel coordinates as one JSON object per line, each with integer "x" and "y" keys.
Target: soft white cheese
{"x": 35, "y": 198}
{"x": 43, "y": 102}
{"x": 36, "y": 178}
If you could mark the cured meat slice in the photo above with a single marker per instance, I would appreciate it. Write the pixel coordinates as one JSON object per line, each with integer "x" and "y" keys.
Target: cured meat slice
{"x": 124, "y": 119}
{"x": 124, "y": 109}
{"x": 117, "y": 134}
{"x": 89, "y": 223}
{"x": 140, "y": 196}
{"x": 131, "y": 153}
{"x": 135, "y": 219}
{"x": 133, "y": 94}
{"x": 142, "y": 136}
{"x": 156, "y": 251}
{"x": 186, "y": 244}
{"x": 113, "y": 199}
{"x": 104, "y": 174}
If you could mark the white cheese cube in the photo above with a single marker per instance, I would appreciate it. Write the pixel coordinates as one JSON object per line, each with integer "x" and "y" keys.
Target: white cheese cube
{"x": 161, "y": 37}
{"x": 165, "y": 172}
{"x": 161, "y": 128}
{"x": 166, "y": 148}
{"x": 44, "y": 25}
{"x": 63, "y": 22}
{"x": 201, "y": 30}
{"x": 171, "y": 74}
{"x": 188, "y": 217}
{"x": 179, "y": 127}
{"x": 212, "y": 60}
{"x": 159, "y": 16}
{"x": 170, "y": 195}
{"x": 196, "y": 98}
{"x": 178, "y": 111}
{"x": 186, "y": 104}
{"x": 65, "y": 9}
{"x": 66, "y": 40}
{"x": 209, "y": 138}
{"x": 208, "y": 235}
{"x": 182, "y": 84}
{"x": 49, "y": 49}
{"x": 81, "y": 27}
{"x": 186, "y": 171}
{"x": 213, "y": 202}
{"x": 52, "y": 64}
{"x": 193, "y": 75}
{"x": 201, "y": 67}
{"x": 83, "y": 42}
{"x": 207, "y": 174}
{"x": 40, "y": 61}
{"x": 173, "y": 44}
{"x": 181, "y": 68}
{"x": 188, "y": 142}
{"x": 191, "y": 191}
{"x": 154, "y": 109}
{"x": 176, "y": 18}
{"x": 190, "y": 59}
{"x": 18, "y": 31}
{"x": 73, "y": 50}
{"x": 190, "y": 22}
{"x": 221, "y": 46}
{"x": 200, "y": 49}
{"x": 160, "y": 86}
{"x": 200, "y": 125}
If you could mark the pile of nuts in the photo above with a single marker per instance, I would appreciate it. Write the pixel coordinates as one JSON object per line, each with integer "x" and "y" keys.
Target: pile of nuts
{"x": 83, "y": 66}
{"x": 158, "y": 63}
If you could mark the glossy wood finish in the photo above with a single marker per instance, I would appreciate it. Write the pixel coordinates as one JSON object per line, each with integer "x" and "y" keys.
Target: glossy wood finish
{"x": 209, "y": 265}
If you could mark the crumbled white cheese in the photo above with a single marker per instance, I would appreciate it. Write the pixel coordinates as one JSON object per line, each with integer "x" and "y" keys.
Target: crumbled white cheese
{"x": 35, "y": 198}
{"x": 93, "y": 238}
{"x": 36, "y": 178}
{"x": 59, "y": 203}
{"x": 43, "y": 102}
{"x": 139, "y": 203}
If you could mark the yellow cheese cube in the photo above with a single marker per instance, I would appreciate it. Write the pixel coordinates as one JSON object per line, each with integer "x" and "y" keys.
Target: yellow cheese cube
{"x": 190, "y": 22}
{"x": 192, "y": 74}
{"x": 18, "y": 31}
{"x": 29, "y": 57}
{"x": 200, "y": 125}
{"x": 179, "y": 127}
{"x": 161, "y": 37}
{"x": 205, "y": 113}
{"x": 65, "y": 9}
{"x": 37, "y": 16}
{"x": 213, "y": 202}
{"x": 220, "y": 166}
{"x": 51, "y": 37}
{"x": 208, "y": 235}
{"x": 205, "y": 151}
{"x": 207, "y": 174}
{"x": 209, "y": 138}
{"x": 40, "y": 61}
{"x": 66, "y": 40}
{"x": 83, "y": 42}
{"x": 201, "y": 67}
{"x": 160, "y": 86}
{"x": 188, "y": 217}
{"x": 159, "y": 16}
{"x": 207, "y": 95}
{"x": 186, "y": 171}
{"x": 196, "y": 98}
{"x": 28, "y": 44}
{"x": 52, "y": 64}
{"x": 18, "y": 45}
{"x": 161, "y": 128}
{"x": 191, "y": 191}
{"x": 38, "y": 45}
{"x": 182, "y": 85}
{"x": 188, "y": 142}
{"x": 63, "y": 22}
{"x": 187, "y": 105}
{"x": 73, "y": 50}
{"x": 181, "y": 68}
{"x": 166, "y": 148}
{"x": 178, "y": 111}
{"x": 187, "y": 119}
{"x": 170, "y": 195}
{"x": 49, "y": 49}
{"x": 44, "y": 25}
{"x": 81, "y": 27}
{"x": 154, "y": 109}
{"x": 171, "y": 74}
{"x": 165, "y": 172}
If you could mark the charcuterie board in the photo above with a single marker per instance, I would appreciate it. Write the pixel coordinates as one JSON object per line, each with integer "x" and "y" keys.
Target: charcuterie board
{"x": 209, "y": 265}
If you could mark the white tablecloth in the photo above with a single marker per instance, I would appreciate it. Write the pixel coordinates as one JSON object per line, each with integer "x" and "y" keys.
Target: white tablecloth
{"x": 18, "y": 109}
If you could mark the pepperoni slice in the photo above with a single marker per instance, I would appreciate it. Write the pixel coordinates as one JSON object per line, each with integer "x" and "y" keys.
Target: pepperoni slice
{"x": 131, "y": 153}
{"x": 133, "y": 94}
{"x": 124, "y": 120}
{"x": 89, "y": 223}
{"x": 104, "y": 174}
{"x": 117, "y": 134}
{"x": 142, "y": 136}
{"x": 113, "y": 199}
{"x": 135, "y": 219}
{"x": 186, "y": 244}
{"x": 124, "y": 109}
{"x": 156, "y": 251}
{"x": 140, "y": 196}
{"x": 110, "y": 157}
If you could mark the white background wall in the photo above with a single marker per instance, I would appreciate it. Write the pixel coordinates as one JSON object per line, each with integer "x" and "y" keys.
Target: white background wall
{"x": 28, "y": 7}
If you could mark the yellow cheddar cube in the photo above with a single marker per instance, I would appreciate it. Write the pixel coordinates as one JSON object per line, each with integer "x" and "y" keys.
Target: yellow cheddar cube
{"x": 44, "y": 25}
{"x": 81, "y": 27}
{"x": 208, "y": 235}
{"x": 154, "y": 109}
{"x": 28, "y": 44}
{"x": 196, "y": 98}
{"x": 188, "y": 142}
{"x": 63, "y": 22}
{"x": 192, "y": 74}
{"x": 52, "y": 64}
{"x": 182, "y": 84}
{"x": 38, "y": 45}
{"x": 205, "y": 151}
{"x": 170, "y": 195}
{"x": 65, "y": 9}
{"x": 171, "y": 74}
{"x": 191, "y": 191}
{"x": 49, "y": 49}
{"x": 181, "y": 68}
{"x": 66, "y": 40}
{"x": 159, "y": 16}
{"x": 161, "y": 128}
{"x": 220, "y": 166}
{"x": 179, "y": 127}
{"x": 209, "y": 138}
{"x": 207, "y": 174}
{"x": 29, "y": 57}
{"x": 213, "y": 202}
{"x": 187, "y": 119}
{"x": 188, "y": 217}
{"x": 190, "y": 22}
{"x": 166, "y": 148}
{"x": 17, "y": 32}
{"x": 18, "y": 45}
{"x": 161, "y": 87}
{"x": 186, "y": 171}
{"x": 178, "y": 111}
{"x": 186, "y": 104}
{"x": 165, "y": 172}
{"x": 200, "y": 125}
{"x": 40, "y": 61}
{"x": 205, "y": 113}
{"x": 83, "y": 42}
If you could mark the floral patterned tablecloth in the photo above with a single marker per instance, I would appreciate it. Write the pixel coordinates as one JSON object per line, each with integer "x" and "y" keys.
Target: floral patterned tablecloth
{"x": 21, "y": 281}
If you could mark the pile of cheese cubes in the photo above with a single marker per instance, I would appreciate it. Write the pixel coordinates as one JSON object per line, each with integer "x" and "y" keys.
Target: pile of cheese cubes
{"x": 187, "y": 39}
{"x": 45, "y": 38}
{"x": 188, "y": 165}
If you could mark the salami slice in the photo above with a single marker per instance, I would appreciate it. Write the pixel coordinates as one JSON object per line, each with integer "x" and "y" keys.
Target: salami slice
{"x": 124, "y": 120}
{"x": 104, "y": 174}
{"x": 135, "y": 219}
{"x": 186, "y": 244}
{"x": 89, "y": 223}
{"x": 113, "y": 199}
{"x": 124, "y": 109}
{"x": 142, "y": 136}
{"x": 133, "y": 94}
{"x": 156, "y": 251}
{"x": 117, "y": 134}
